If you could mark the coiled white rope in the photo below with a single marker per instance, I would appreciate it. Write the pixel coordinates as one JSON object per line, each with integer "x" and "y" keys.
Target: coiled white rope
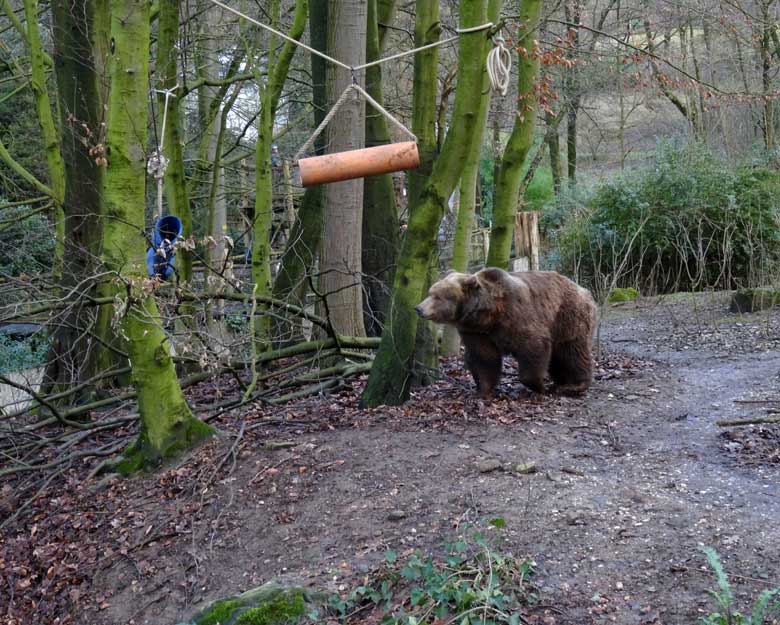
{"x": 499, "y": 66}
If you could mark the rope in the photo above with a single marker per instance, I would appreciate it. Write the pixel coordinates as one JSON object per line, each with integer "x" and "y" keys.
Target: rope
{"x": 157, "y": 164}
{"x": 499, "y": 65}
{"x": 460, "y": 31}
{"x": 342, "y": 98}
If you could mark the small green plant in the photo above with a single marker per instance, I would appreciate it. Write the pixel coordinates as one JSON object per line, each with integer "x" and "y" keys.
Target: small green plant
{"x": 726, "y": 614}
{"x": 472, "y": 584}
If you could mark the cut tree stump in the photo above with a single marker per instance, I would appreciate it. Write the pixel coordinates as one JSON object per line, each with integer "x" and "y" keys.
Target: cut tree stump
{"x": 526, "y": 241}
{"x": 753, "y": 300}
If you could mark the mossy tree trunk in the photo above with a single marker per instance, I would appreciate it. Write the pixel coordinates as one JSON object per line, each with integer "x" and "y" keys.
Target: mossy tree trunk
{"x": 167, "y": 425}
{"x": 380, "y": 215}
{"x": 78, "y": 35}
{"x": 510, "y": 173}
{"x": 464, "y": 226}
{"x": 389, "y": 381}
{"x": 304, "y": 242}
{"x": 277, "y": 68}
{"x": 427, "y": 30}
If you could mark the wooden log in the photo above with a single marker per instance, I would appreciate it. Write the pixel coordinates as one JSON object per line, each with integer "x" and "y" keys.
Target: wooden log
{"x": 381, "y": 159}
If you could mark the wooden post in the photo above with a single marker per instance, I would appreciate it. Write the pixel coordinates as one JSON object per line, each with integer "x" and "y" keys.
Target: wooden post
{"x": 526, "y": 241}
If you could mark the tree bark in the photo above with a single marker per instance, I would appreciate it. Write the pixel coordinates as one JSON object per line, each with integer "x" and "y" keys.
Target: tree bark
{"x": 277, "y": 68}
{"x": 167, "y": 425}
{"x": 303, "y": 245}
{"x": 340, "y": 261}
{"x": 381, "y": 234}
{"x": 167, "y": 74}
{"x": 511, "y": 171}
{"x": 425, "y": 119}
{"x": 461, "y": 249}
{"x": 78, "y": 34}
{"x": 49, "y": 131}
{"x": 389, "y": 381}
{"x": 573, "y": 11}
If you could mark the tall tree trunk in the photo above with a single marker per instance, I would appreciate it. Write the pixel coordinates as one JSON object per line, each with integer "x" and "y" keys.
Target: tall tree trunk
{"x": 167, "y": 425}
{"x": 510, "y": 174}
{"x": 461, "y": 249}
{"x": 573, "y": 11}
{"x": 552, "y": 140}
{"x": 340, "y": 262}
{"x": 425, "y": 121}
{"x": 380, "y": 215}
{"x": 277, "y": 69}
{"x": 77, "y": 35}
{"x": 389, "y": 381}
{"x": 304, "y": 242}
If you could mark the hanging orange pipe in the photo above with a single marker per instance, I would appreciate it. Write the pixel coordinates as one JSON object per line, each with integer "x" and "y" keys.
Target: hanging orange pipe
{"x": 381, "y": 159}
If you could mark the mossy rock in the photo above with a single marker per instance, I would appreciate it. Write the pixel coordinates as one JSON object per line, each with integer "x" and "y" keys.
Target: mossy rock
{"x": 623, "y": 295}
{"x": 269, "y": 604}
{"x": 753, "y": 300}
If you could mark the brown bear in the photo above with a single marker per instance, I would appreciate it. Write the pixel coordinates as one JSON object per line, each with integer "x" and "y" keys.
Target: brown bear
{"x": 541, "y": 318}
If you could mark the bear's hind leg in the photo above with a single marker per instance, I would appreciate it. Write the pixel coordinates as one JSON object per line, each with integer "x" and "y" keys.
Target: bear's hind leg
{"x": 571, "y": 367}
{"x": 484, "y": 361}
{"x": 533, "y": 360}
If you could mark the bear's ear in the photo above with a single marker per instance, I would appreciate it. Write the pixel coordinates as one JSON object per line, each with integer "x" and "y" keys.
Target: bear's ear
{"x": 470, "y": 282}
{"x": 492, "y": 274}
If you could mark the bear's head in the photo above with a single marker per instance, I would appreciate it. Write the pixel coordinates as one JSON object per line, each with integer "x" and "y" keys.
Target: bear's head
{"x": 467, "y": 301}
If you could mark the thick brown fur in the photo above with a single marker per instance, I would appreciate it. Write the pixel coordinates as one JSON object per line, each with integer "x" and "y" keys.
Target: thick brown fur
{"x": 541, "y": 318}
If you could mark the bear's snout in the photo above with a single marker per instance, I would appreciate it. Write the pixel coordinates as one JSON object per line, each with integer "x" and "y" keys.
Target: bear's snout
{"x": 419, "y": 310}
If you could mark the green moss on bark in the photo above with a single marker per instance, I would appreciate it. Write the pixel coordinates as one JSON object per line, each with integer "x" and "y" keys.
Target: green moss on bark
{"x": 390, "y": 375}
{"x": 510, "y": 172}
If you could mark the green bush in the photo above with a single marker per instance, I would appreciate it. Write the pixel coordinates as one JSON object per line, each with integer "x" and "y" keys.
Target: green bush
{"x": 689, "y": 222}
{"x": 27, "y": 245}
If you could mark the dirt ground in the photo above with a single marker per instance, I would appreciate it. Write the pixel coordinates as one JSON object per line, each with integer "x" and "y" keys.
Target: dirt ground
{"x": 631, "y": 481}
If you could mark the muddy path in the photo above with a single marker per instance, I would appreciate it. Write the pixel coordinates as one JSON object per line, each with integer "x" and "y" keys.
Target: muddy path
{"x": 631, "y": 481}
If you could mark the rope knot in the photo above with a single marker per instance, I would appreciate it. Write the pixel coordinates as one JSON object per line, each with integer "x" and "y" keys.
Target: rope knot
{"x": 157, "y": 165}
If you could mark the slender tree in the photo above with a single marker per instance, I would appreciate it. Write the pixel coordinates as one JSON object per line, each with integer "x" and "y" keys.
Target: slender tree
{"x": 425, "y": 120}
{"x": 167, "y": 77}
{"x": 464, "y": 225}
{"x": 510, "y": 173}
{"x": 277, "y": 68}
{"x": 389, "y": 381}
{"x": 380, "y": 215}
{"x": 304, "y": 241}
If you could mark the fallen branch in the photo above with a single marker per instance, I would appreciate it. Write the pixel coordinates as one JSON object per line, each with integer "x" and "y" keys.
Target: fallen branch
{"x": 756, "y": 421}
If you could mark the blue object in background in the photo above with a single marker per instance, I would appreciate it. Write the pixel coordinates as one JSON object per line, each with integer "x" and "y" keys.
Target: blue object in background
{"x": 161, "y": 257}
